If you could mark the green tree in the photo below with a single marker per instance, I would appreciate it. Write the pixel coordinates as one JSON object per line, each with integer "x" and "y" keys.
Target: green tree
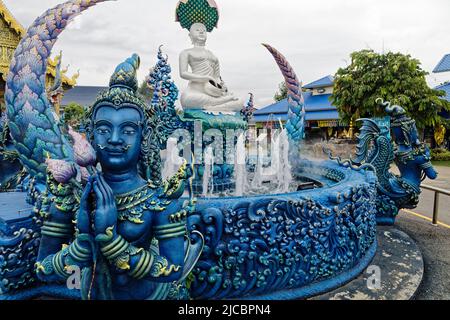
{"x": 282, "y": 92}
{"x": 394, "y": 77}
{"x": 74, "y": 114}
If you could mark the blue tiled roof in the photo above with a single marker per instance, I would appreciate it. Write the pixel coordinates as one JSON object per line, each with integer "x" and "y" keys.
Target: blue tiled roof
{"x": 83, "y": 95}
{"x": 327, "y": 81}
{"x": 322, "y": 115}
{"x": 318, "y": 107}
{"x": 443, "y": 65}
{"x": 275, "y": 117}
{"x": 278, "y": 107}
{"x": 445, "y": 87}
{"x": 318, "y": 102}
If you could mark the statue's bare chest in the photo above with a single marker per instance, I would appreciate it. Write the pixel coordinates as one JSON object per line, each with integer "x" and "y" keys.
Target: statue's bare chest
{"x": 198, "y": 56}
{"x": 134, "y": 232}
{"x": 135, "y": 213}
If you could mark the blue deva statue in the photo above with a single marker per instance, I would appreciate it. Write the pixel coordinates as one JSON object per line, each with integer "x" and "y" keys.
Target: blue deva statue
{"x": 105, "y": 227}
{"x": 119, "y": 211}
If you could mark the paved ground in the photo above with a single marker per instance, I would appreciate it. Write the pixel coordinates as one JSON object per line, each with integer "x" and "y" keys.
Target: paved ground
{"x": 443, "y": 180}
{"x": 434, "y": 242}
{"x": 425, "y": 206}
{"x": 427, "y": 198}
{"x": 401, "y": 269}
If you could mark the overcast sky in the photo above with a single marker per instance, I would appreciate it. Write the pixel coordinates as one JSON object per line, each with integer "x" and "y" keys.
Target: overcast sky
{"x": 317, "y": 37}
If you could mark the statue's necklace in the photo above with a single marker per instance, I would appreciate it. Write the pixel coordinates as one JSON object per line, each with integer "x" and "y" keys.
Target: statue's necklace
{"x": 131, "y": 206}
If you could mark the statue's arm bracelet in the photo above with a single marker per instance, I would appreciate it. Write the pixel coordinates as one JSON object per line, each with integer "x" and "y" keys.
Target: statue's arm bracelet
{"x": 79, "y": 253}
{"x": 57, "y": 230}
{"x": 59, "y": 265}
{"x": 173, "y": 230}
{"x": 115, "y": 248}
{"x": 152, "y": 265}
{"x": 143, "y": 266}
{"x": 119, "y": 252}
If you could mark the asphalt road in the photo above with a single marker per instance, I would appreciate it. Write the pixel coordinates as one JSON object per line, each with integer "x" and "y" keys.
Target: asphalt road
{"x": 425, "y": 206}
{"x": 434, "y": 243}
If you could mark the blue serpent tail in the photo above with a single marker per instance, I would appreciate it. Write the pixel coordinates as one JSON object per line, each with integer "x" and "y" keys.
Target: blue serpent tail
{"x": 295, "y": 125}
{"x": 33, "y": 125}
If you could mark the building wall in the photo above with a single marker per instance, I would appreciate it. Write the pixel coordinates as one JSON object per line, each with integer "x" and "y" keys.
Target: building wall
{"x": 9, "y": 40}
{"x": 11, "y": 33}
{"x": 319, "y": 91}
{"x": 8, "y": 44}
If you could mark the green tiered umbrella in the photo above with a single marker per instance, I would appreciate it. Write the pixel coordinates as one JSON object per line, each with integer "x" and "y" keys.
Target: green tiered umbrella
{"x": 197, "y": 11}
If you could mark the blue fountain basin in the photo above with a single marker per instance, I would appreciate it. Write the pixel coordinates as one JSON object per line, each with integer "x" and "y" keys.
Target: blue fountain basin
{"x": 280, "y": 246}
{"x": 287, "y": 246}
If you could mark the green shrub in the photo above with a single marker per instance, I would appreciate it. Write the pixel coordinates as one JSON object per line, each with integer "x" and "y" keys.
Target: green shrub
{"x": 440, "y": 155}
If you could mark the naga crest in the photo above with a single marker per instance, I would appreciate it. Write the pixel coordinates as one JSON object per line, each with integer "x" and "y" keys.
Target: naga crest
{"x": 34, "y": 128}
{"x": 410, "y": 153}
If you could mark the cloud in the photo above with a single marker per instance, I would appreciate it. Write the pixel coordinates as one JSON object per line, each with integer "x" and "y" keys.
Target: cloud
{"x": 316, "y": 37}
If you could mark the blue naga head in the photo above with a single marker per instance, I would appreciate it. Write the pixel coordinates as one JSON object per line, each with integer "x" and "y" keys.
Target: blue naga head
{"x": 411, "y": 153}
{"x": 120, "y": 121}
{"x": 404, "y": 128}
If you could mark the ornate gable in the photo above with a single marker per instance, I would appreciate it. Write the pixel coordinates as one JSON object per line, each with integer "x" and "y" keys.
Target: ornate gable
{"x": 11, "y": 31}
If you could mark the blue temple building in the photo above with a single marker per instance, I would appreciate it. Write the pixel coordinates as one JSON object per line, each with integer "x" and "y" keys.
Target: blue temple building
{"x": 322, "y": 118}
{"x": 444, "y": 66}
{"x": 445, "y": 87}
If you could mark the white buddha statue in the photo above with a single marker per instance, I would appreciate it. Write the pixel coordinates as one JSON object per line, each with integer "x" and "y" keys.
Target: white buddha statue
{"x": 206, "y": 89}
